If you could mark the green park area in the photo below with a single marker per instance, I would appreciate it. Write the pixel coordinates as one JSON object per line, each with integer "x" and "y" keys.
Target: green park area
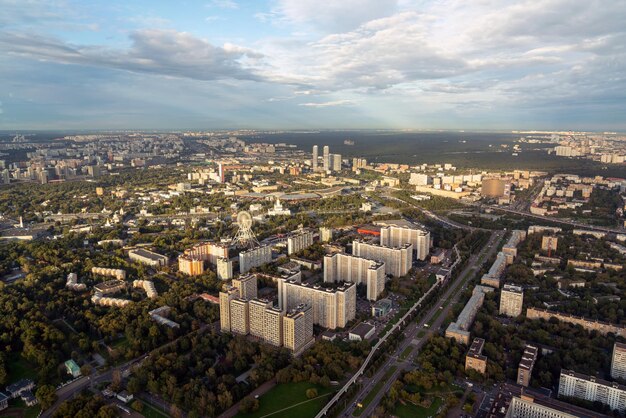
{"x": 290, "y": 400}
{"x": 409, "y": 410}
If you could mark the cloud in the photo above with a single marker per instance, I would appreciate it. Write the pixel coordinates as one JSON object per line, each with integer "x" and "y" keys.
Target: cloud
{"x": 328, "y": 104}
{"x": 155, "y": 51}
{"x": 224, "y": 4}
{"x": 332, "y": 16}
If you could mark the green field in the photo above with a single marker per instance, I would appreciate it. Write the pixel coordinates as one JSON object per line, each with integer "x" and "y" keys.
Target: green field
{"x": 372, "y": 393}
{"x": 412, "y": 411}
{"x": 289, "y": 400}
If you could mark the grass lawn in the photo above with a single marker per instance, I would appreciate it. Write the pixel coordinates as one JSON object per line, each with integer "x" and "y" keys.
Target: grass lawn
{"x": 279, "y": 401}
{"x": 411, "y": 411}
{"x": 421, "y": 333}
{"x": 372, "y": 393}
{"x": 19, "y": 368}
{"x": 406, "y": 352}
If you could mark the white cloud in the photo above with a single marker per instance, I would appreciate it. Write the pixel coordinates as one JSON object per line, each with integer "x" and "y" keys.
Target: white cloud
{"x": 331, "y": 103}
{"x": 332, "y": 16}
{"x": 163, "y": 52}
{"x": 224, "y": 4}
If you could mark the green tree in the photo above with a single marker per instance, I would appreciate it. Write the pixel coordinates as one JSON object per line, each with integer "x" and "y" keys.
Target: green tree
{"x": 46, "y": 395}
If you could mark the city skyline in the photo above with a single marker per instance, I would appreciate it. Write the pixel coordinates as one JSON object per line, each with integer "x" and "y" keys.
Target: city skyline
{"x": 288, "y": 64}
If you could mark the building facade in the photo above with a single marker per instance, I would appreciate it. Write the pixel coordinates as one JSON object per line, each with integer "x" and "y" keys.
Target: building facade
{"x": 348, "y": 268}
{"x": 190, "y": 266}
{"x": 589, "y": 388}
{"x": 396, "y": 236}
{"x": 511, "y": 300}
{"x": 526, "y": 364}
{"x": 398, "y": 260}
{"x": 618, "y": 361}
{"x": 254, "y": 257}
{"x": 299, "y": 241}
{"x": 474, "y": 359}
{"x": 298, "y": 329}
{"x": 224, "y": 268}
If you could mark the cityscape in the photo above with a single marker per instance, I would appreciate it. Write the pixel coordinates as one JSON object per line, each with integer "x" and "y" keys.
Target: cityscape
{"x": 195, "y": 230}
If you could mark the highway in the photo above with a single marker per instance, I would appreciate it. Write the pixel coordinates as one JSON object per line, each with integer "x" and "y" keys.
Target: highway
{"x": 557, "y": 220}
{"x": 410, "y": 336}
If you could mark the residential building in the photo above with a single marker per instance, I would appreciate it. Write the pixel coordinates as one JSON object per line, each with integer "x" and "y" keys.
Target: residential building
{"x": 224, "y": 268}
{"x": 396, "y": 236}
{"x": 326, "y": 157}
{"x": 398, "y": 260}
{"x": 298, "y": 241}
{"x": 208, "y": 251}
{"x": 474, "y": 359}
{"x": 314, "y": 158}
{"x": 348, "y": 268}
{"x": 526, "y": 364}
{"x": 247, "y": 285}
{"x": 593, "y": 389}
{"x": 149, "y": 258}
{"x": 549, "y": 243}
{"x": 589, "y": 324}
{"x": 190, "y": 266}
{"x": 239, "y": 316}
{"x": 257, "y": 308}
{"x": 528, "y": 407}
{"x": 331, "y": 308}
{"x": 273, "y": 326}
{"x": 226, "y": 296}
{"x": 326, "y": 234}
{"x": 460, "y": 328}
{"x": 298, "y": 329}
{"x": 618, "y": 361}
{"x": 4, "y": 399}
{"x": 335, "y": 162}
{"x": 254, "y": 257}
{"x": 511, "y": 300}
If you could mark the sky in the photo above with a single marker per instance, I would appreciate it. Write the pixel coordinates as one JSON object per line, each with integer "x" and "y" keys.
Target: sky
{"x": 312, "y": 64}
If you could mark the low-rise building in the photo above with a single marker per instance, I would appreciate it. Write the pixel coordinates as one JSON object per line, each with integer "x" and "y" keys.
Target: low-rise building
{"x": 72, "y": 368}
{"x": 149, "y": 258}
{"x": 361, "y": 332}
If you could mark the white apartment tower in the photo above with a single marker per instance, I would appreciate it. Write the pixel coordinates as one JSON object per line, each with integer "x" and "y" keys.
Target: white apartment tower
{"x": 346, "y": 267}
{"x": 298, "y": 329}
{"x": 618, "y": 361}
{"x": 511, "y": 300}
{"x": 314, "y": 158}
{"x": 398, "y": 260}
{"x": 395, "y": 236}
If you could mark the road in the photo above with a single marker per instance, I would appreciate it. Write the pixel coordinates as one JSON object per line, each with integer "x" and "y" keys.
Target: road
{"x": 451, "y": 295}
{"x": 78, "y": 385}
{"x": 555, "y": 220}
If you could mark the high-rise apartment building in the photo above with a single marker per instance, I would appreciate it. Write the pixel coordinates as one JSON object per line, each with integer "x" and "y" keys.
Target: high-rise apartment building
{"x": 345, "y": 267}
{"x": 331, "y": 308}
{"x": 396, "y": 236}
{"x": 335, "y": 162}
{"x": 190, "y": 266}
{"x": 298, "y": 241}
{"x": 326, "y": 158}
{"x": 208, "y": 251}
{"x": 593, "y": 389}
{"x": 326, "y": 234}
{"x": 314, "y": 158}
{"x": 618, "y": 361}
{"x": 526, "y": 364}
{"x": 398, "y": 260}
{"x": 257, "y": 308}
{"x": 273, "y": 326}
{"x": 527, "y": 407}
{"x": 224, "y": 268}
{"x": 226, "y": 296}
{"x": 247, "y": 286}
{"x": 298, "y": 329}
{"x": 511, "y": 300}
{"x": 254, "y": 257}
{"x": 239, "y": 316}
